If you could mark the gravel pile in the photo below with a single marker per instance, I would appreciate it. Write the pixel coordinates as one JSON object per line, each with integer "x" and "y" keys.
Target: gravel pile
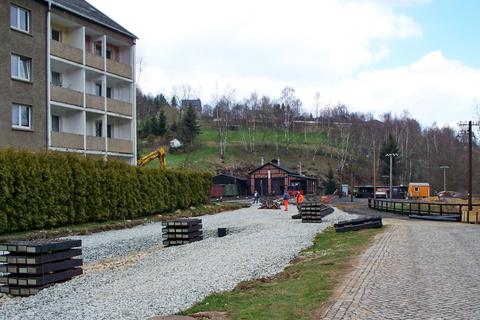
{"x": 260, "y": 243}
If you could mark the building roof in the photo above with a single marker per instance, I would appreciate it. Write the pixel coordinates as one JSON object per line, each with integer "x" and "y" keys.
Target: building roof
{"x": 86, "y": 10}
{"x": 420, "y": 184}
{"x": 290, "y": 172}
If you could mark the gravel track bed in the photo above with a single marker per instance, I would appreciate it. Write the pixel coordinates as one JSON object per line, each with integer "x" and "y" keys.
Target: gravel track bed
{"x": 260, "y": 243}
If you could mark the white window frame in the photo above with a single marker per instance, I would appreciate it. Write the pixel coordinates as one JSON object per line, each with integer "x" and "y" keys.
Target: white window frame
{"x": 18, "y": 66}
{"x": 19, "y": 108}
{"x": 18, "y": 11}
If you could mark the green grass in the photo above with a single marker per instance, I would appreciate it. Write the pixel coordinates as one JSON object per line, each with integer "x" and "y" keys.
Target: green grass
{"x": 263, "y": 136}
{"x": 89, "y": 228}
{"x": 300, "y": 290}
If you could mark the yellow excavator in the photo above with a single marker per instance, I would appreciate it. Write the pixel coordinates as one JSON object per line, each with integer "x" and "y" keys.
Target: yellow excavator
{"x": 157, "y": 154}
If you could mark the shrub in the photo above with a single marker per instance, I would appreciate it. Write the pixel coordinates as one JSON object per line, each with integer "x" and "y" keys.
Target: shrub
{"x": 53, "y": 189}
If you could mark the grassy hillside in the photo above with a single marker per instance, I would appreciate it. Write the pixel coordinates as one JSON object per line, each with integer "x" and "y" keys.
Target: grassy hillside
{"x": 206, "y": 154}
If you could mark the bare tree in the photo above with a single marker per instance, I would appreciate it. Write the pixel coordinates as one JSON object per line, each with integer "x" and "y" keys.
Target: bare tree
{"x": 291, "y": 108}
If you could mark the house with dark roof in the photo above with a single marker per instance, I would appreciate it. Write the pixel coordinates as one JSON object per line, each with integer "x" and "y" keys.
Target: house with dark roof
{"x": 71, "y": 87}
{"x": 273, "y": 178}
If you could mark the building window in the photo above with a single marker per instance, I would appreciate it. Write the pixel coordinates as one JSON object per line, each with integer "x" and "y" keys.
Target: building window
{"x": 109, "y": 92}
{"x": 98, "y": 128}
{"x": 56, "y": 35}
{"x": 109, "y": 130}
{"x": 55, "y": 123}
{"x": 98, "y": 89}
{"x": 21, "y": 67}
{"x": 98, "y": 49}
{"x": 19, "y": 18}
{"x": 110, "y": 54}
{"x": 21, "y": 115}
{"x": 56, "y": 79}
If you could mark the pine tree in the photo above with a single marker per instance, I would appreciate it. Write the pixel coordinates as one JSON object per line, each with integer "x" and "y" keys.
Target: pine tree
{"x": 330, "y": 185}
{"x": 174, "y": 103}
{"x": 190, "y": 127}
{"x": 162, "y": 123}
{"x": 389, "y": 147}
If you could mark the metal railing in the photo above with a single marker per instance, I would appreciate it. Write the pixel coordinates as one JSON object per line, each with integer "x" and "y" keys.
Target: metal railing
{"x": 406, "y": 207}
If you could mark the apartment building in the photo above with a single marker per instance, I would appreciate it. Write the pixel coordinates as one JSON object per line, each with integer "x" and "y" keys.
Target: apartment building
{"x": 71, "y": 82}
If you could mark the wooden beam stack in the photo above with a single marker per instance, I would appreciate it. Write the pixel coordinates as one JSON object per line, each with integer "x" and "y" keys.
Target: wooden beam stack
{"x": 181, "y": 231}
{"x": 30, "y": 266}
{"x": 313, "y": 212}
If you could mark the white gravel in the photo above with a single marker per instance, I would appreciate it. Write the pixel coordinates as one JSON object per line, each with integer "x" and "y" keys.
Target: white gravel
{"x": 260, "y": 243}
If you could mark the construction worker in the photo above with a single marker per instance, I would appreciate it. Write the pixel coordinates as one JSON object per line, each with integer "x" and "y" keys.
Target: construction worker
{"x": 300, "y": 199}
{"x": 286, "y": 196}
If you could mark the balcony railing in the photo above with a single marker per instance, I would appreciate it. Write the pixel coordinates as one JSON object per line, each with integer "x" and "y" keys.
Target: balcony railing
{"x": 120, "y": 145}
{"x": 95, "y": 102}
{"x": 95, "y": 143}
{"x": 67, "y": 140}
{"x": 121, "y": 107}
{"x": 66, "y": 51}
{"x": 95, "y": 61}
{"x": 65, "y": 95}
{"x": 120, "y": 69}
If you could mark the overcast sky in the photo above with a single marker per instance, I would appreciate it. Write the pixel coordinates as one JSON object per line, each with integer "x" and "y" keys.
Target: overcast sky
{"x": 373, "y": 55}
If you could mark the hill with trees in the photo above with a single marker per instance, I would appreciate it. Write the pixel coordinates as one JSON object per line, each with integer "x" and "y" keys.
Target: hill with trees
{"x": 234, "y": 135}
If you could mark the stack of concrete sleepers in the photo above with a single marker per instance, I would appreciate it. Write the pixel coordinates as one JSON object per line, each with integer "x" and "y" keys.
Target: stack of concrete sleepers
{"x": 26, "y": 267}
{"x": 313, "y": 212}
{"x": 182, "y": 231}
{"x": 358, "y": 224}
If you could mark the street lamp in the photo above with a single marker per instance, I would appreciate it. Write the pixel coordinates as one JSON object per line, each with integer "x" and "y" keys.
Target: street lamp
{"x": 391, "y": 155}
{"x": 444, "y": 176}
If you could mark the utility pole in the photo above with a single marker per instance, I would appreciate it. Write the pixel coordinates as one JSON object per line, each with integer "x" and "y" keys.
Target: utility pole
{"x": 444, "y": 176}
{"x": 391, "y": 155}
{"x": 374, "y": 172}
{"x": 470, "y": 169}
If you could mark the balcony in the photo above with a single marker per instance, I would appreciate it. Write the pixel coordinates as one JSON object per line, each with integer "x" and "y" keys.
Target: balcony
{"x": 95, "y": 143}
{"x": 94, "y": 61}
{"x": 121, "y": 107}
{"x": 120, "y": 69}
{"x": 67, "y": 140}
{"x": 95, "y": 102}
{"x": 120, "y": 145}
{"x": 66, "y": 52}
{"x": 65, "y": 95}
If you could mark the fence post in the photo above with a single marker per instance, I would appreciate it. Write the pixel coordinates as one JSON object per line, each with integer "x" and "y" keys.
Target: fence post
{"x": 460, "y": 209}
{"x": 419, "y": 208}
{"x": 441, "y": 208}
{"x": 429, "y": 209}
{"x": 409, "y": 208}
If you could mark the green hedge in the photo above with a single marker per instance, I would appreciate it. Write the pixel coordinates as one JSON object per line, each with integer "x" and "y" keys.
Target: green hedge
{"x": 54, "y": 189}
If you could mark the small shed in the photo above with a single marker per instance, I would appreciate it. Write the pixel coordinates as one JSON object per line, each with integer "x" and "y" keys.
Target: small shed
{"x": 229, "y": 185}
{"x": 273, "y": 179}
{"x": 417, "y": 190}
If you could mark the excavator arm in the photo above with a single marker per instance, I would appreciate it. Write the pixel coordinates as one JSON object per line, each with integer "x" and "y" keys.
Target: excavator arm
{"x": 157, "y": 154}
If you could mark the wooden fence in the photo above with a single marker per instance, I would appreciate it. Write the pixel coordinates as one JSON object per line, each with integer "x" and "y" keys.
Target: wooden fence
{"x": 406, "y": 207}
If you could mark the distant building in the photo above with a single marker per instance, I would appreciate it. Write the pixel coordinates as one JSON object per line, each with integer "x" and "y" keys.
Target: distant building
{"x": 273, "y": 179}
{"x": 195, "y": 103}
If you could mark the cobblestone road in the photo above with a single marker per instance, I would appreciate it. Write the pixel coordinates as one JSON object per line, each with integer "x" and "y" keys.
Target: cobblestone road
{"x": 414, "y": 270}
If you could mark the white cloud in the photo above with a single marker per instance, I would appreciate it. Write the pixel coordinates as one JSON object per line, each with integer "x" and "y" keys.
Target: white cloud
{"x": 312, "y": 45}
{"x": 433, "y": 89}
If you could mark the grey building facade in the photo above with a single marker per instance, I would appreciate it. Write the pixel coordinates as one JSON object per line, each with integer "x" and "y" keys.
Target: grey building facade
{"x": 80, "y": 96}
{"x": 26, "y": 88}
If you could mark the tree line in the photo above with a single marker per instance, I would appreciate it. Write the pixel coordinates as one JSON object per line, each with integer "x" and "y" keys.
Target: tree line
{"x": 353, "y": 141}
